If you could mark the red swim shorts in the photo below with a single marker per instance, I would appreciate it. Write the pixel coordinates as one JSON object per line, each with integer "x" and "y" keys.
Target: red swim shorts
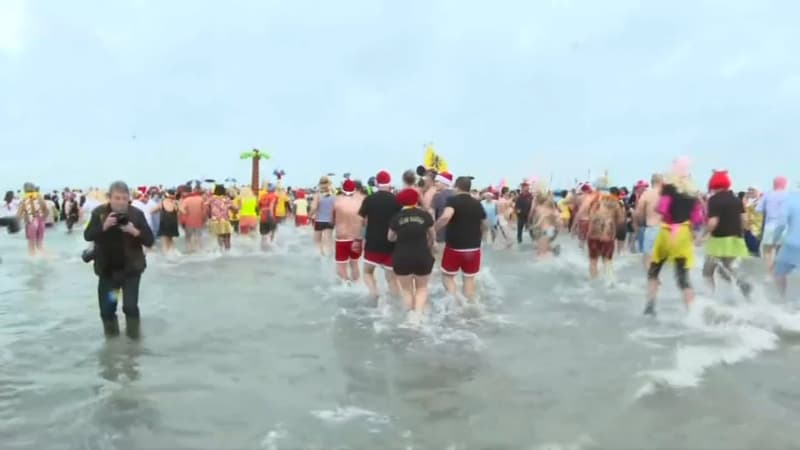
{"x": 378, "y": 259}
{"x": 467, "y": 261}
{"x": 344, "y": 252}
{"x": 600, "y": 249}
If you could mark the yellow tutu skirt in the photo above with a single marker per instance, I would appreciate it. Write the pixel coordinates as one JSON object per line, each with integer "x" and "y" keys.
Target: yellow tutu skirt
{"x": 220, "y": 227}
{"x": 674, "y": 242}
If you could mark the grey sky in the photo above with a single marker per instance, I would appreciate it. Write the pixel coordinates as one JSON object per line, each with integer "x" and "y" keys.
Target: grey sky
{"x": 505, "y": 89}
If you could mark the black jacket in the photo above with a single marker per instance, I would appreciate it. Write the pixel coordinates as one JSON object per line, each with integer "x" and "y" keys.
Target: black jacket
{"x": 118, "y": 253}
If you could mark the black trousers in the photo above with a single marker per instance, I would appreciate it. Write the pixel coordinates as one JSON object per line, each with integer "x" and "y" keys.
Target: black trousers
{"x": 522, "y": 220}
{"x": 108, "y": 293}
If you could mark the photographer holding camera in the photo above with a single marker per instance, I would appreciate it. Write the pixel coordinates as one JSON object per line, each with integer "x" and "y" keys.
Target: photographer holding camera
{"x": 118, "y": 232}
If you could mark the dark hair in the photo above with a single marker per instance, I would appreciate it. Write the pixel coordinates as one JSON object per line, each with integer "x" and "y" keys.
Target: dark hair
{"x": 464, "y": 184}
{"x": 613, "y": 190}
{"x": 741, "y": 195}
{"x": 505, "y": 190}
{"x": 409, "y": 177}
{"x": 9, "y": 196}
{"x": 219, "y": 190}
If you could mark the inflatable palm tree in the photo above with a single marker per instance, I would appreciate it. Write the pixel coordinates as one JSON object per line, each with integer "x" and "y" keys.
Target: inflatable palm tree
{"x": 255, "y": 156}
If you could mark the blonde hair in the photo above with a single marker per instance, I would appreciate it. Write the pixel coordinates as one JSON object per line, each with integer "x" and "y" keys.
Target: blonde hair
{"x": 683, "y": 183}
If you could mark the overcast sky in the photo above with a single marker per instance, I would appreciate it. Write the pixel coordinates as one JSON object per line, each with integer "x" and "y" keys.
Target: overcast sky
{"x": 164, "y": 91}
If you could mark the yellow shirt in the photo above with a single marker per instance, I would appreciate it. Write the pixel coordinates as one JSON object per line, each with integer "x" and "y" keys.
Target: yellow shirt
{"x": 249, "y": 207}
{"x": 280, "y": 206}
{"x": 563, "y": 205}
{"x": 301, "y": 207}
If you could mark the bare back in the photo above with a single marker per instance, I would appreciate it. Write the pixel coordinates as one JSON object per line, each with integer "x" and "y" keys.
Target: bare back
{"x": 647, "y": 207}
{"x": 347, "y": 222}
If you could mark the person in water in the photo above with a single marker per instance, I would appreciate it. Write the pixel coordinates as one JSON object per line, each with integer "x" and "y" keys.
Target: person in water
{"x": 322, "y": 216}
{"x": 444, "y": 184}
{"x": 412, "y": 258}
{"x": 377, "y": 211}
{"x": 505, "y": 209}
{"x": 465, "y": 221}
{"x": 605, "y": 215}
{"x": 726, "y": 218}
{"x": 168, "y": 221}
{"x": 300, "y": 208}
{"x": 33, "y": 213}
{"x": 489, "y": 205}
{"x": 788, "y": 256}
{"x": 755, "y": 221}
{"x": 545, "y": 222}
{"x": 119, "y": 233}
{"x": 523, "y": 207}
{"x": 268, "y": 223}
{"x": 680, "y": 209}
{"x": 646, "y": 216}
{"x": 772, "y": 206}
{"x": 219, "y": 225}
{"x": 349, "y": 232}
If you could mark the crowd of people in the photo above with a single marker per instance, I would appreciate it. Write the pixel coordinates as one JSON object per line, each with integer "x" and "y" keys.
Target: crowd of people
{"x": 433, "y": 216}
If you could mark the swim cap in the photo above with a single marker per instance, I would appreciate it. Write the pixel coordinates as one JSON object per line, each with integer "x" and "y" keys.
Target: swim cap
{"x": 408, "y": 197}
{"x": 719, "y": 181}
{"x": 780, "y": 183}
{"x": 349, "y": 186}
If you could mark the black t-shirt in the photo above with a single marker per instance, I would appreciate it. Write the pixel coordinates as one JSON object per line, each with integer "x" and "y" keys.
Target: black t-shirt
{"x": 464, "y": 228}
{"x": 728, "y": 209}
{"x": 525, "y": 203}
{"x": 378, "y": 209}
{"x": 411, "y": 226}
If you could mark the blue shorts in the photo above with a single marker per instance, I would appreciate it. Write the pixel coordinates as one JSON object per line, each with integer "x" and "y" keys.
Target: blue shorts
{"x": 773, "y": 235}
{"x": 787, "y": 260}
{"x": 649, "y": 240}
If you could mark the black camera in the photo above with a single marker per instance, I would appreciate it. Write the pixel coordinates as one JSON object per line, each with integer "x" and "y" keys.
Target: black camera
{"x": 122, "y": 219}
{"x": 88, "y": 255}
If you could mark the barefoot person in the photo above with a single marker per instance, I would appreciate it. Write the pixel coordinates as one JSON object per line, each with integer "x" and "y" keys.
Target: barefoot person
{"x": 788, "y": 257}
{"x": 465, "y": 222}
{"x": 645, "y": 213}
{"x": 679, "y": 208}
{"x": 726, "y": 218}
{"x": 377, "y": 211}
{"x": 605, "y": 215}
{"x": 33, "y": 213}
{"x": 322, "y": 215}
{"x": 772, "y": 207}
{"x": 412, "y": 259}
{"x": 347, "y": 226}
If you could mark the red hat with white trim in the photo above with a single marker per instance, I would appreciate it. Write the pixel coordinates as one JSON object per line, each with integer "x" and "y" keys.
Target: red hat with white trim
{"x": 349, "y": 186}
{"x": 383, "y": 179}
{"x": 445, "y": 178}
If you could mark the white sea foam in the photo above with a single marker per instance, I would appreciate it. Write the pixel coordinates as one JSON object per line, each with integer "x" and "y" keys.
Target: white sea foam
{"x": 349, "y": 413}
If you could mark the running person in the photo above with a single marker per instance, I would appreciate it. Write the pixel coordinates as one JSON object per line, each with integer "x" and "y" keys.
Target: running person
{"x": 465, "y": 223}
{"x": 377, "y": 211}
{"x": 412, "y": 258}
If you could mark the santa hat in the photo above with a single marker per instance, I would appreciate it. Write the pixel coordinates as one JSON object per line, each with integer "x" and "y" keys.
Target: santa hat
{"x": 780, "y": 183}
{"x": 641, "y": 184}
{"x": 300, "y": 194}
{"x": 142, "y": 189}
{"x": 383, "y": 179}
{"x": 445, "y": 178}
{"x": 719, "y": 181}
{"x": 349, "y": 186}
{"x": 408, "y": 197}
{"x": 586, "y": 187}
